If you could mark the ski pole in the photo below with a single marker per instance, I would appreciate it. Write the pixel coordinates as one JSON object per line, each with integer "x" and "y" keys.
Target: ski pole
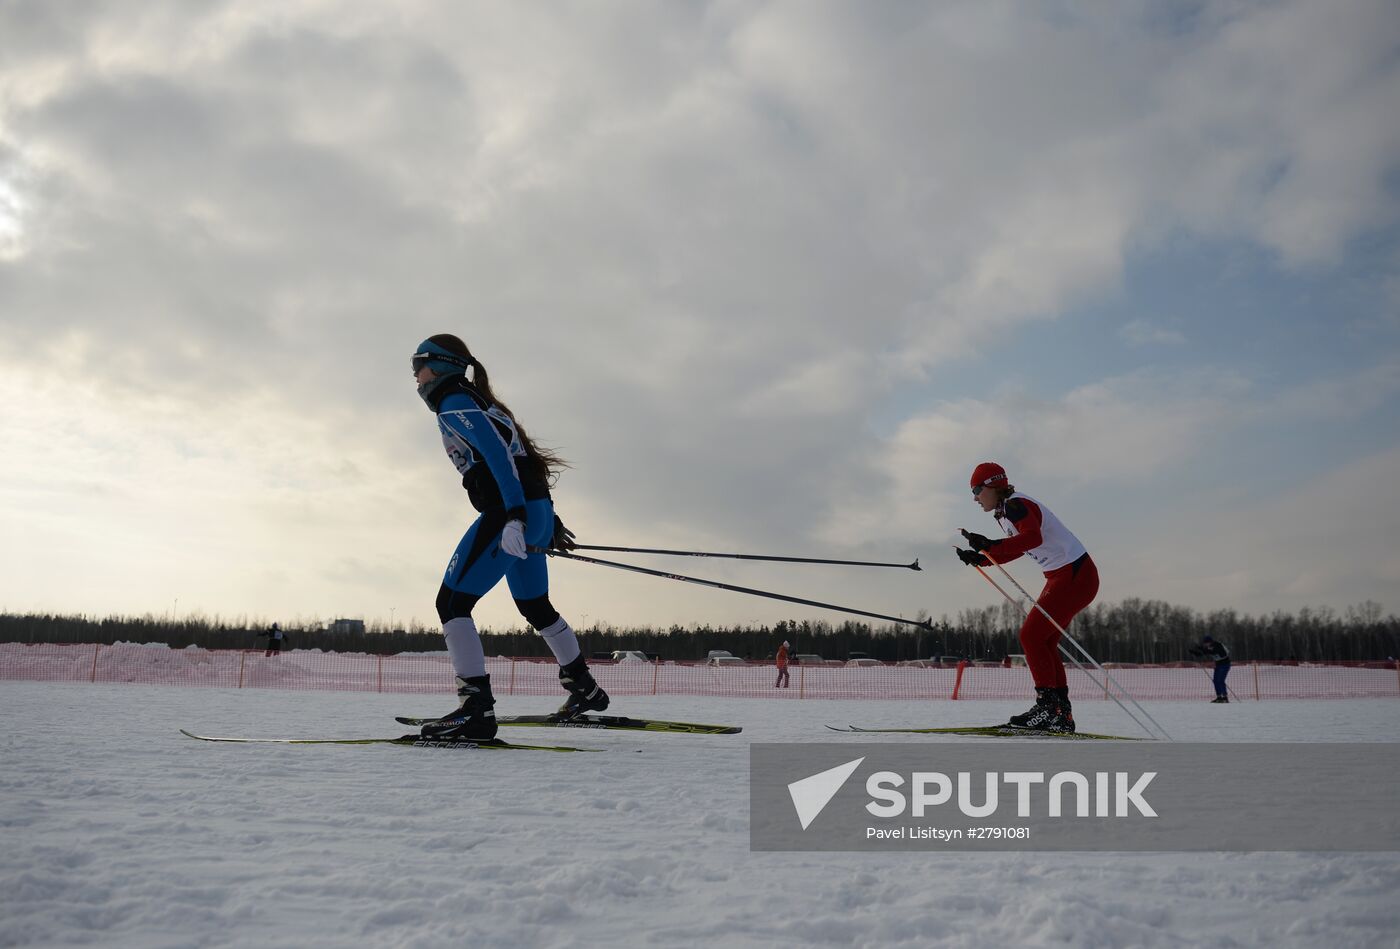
{"x": 730, "y": 587}
{"x": 1085, "y": 653}
{"x": 1074, "y": 642}
{"x": 1075, "y": 660}
{"x": 701, "y": 553}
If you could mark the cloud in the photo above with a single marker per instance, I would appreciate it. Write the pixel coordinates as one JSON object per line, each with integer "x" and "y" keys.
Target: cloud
{"x": 126, "y": 502}
{"x": 1326, "y": 541}
{"x": 1344, "y": 397}
{"x": 1293, "y": 155}
{"x": 1157, "y": 474}
{"x": 703, "y": 248}
{"x": 1144, "y": 333}
{"x": 1138, "y": 428}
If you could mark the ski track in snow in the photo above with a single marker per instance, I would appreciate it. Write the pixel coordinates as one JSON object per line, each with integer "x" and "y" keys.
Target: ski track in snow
{"x": 119, "y": 831}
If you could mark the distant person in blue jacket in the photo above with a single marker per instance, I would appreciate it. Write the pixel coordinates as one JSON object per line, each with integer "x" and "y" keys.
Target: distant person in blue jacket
{"x": 507, "y": 478}
{"x": 1215, "y": 651}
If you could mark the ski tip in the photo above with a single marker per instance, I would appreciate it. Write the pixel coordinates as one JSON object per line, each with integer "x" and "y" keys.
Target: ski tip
{"x": 915, "y": 565}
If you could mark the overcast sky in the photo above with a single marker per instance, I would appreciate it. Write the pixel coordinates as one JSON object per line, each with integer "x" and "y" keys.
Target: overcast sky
{"x": 773, "y": 277}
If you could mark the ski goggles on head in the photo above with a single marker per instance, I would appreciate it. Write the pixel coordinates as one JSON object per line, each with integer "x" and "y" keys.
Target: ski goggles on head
{"x": 419, "y": 360}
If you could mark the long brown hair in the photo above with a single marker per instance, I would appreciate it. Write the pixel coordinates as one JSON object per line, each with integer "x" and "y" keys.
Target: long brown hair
{"x": 549, "y": 462}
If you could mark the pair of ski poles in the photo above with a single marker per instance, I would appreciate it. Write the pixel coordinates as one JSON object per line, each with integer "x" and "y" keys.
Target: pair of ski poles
{"x": 1156, "y": 731}
{"x": 568, "y": 554}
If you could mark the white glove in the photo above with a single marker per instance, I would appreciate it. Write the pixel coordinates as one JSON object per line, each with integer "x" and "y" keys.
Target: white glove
{"x": 513, "y": 540}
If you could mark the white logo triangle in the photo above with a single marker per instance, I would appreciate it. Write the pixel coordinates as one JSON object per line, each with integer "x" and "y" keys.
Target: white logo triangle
{"x": 811, "y": 795}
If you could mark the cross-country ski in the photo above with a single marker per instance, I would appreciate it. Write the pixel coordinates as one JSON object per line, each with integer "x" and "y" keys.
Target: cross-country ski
{"x": 411, "y": 741}
{"x": 986, "y": 731}
{"x": 617, "y": 722}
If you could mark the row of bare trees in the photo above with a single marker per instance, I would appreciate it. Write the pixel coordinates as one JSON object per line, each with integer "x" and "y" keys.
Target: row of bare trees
{"x": 1134, "y": 630}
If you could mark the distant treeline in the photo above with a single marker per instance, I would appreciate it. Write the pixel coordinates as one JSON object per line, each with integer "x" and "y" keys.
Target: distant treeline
{"x": 1131, "y": 631}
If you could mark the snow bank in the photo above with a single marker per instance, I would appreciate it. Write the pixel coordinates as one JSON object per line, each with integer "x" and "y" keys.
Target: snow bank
{"x": 432, "y": 672}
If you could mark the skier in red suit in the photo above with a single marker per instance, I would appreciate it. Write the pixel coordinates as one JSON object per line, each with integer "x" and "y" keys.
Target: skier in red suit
{"x": 1071, "y": 583}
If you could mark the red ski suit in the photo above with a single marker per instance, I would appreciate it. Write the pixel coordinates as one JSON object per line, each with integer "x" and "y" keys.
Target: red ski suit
{"x": 1071, "y": 580}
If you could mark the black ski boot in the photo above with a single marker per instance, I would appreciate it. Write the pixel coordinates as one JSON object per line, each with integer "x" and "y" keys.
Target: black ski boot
{"x": 585, "y": 694}
{"x": 1039, "y": 715}
{"x": 475, "y": 719}
{"x": 1220, "y": 700}
{"x": 1063, "y": 719}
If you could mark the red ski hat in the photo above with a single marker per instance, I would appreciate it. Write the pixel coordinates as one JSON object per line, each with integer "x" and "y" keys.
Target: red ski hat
{"x": 988, "y": 473}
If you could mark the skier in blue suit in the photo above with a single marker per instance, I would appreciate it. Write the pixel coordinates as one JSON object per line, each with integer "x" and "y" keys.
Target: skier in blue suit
{"x": 1216, "y": 651}
{"x": 507, "y": 479}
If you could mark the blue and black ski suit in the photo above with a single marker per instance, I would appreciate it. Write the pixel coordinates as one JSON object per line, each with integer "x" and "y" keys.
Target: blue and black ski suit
{"x": 1217, "y": 651}
{"x": 504, "y": 483}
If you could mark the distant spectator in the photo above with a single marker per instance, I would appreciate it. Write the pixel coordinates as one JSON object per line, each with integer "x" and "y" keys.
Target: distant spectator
{"x": 783, "y": 678}
{"x": 274, "y": 639}
{"x": 1216, "y": 652}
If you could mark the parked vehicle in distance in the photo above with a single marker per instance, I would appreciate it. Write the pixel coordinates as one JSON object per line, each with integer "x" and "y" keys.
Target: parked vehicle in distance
{"x": 629, "y": 655}
{"x": 864, "y": 661}
{"x": 807, "y": 659}
{"x": 725, "y": 661}
{"x": 718, "y": 654}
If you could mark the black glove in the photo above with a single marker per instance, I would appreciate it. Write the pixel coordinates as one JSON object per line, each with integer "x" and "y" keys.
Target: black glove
{"x": 973, "y": 558}
{"x": 563, "y": 538}
{"x": 978, "y": 542}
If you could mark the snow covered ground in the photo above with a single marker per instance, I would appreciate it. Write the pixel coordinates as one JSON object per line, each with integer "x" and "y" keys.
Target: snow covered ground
{"x": 118, "y": 831}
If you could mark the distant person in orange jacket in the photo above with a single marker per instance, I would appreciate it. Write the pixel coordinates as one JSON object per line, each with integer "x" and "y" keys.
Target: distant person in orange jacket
{"x": 782, "y": 667}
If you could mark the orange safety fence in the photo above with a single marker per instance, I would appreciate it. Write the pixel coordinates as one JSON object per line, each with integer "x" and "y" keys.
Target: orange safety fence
{"x": 432, "y": 672}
